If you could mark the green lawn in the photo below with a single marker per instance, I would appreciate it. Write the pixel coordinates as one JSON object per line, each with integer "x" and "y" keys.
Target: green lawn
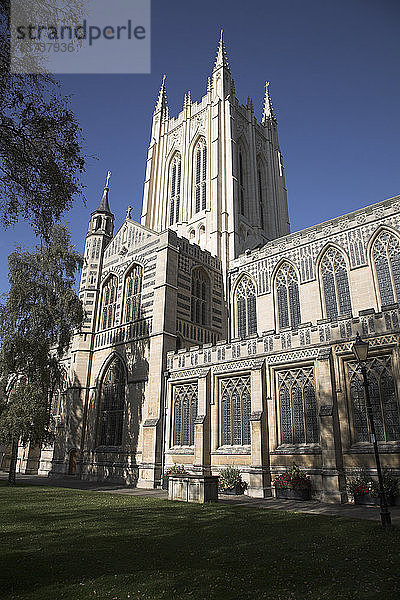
{"x": 58, "y": 543}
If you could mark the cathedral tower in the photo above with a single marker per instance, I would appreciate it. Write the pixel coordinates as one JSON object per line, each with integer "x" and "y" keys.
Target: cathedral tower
{"x": 214, "y": 173}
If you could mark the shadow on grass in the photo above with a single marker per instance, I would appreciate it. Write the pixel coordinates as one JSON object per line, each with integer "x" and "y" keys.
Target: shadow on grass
{"x": 61, "y": 543}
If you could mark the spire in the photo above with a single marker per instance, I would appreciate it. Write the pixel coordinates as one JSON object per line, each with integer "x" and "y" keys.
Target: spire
{"x": 104, "y": 206}
{"x": 268, "y": 111}
{"x": 221, "y": 59}
{"x": 161, "y": 103}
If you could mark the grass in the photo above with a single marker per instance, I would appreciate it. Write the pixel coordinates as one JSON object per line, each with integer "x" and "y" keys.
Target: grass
{"x": 58, "y": 543}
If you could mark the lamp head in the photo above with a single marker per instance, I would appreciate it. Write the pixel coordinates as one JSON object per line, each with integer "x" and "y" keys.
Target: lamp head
{"x": 360, "y": 349}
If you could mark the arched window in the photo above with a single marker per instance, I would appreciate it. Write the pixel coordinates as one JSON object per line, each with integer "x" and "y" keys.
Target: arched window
{"x": 242, "y": 180}
{"x": 109, "y": 303}
{"x": 298, "y": 409}
{"x": 112, "y": 402}
{"x": 386, "y": 255}
{"x": 261, "y": 192}
{"x": 174, "y": 188}
{"x": 133, "y": 288}
{"x": 383, "y": 397}
{"x": 185, "y": 413}
{"x": 200, "y": 297}
{"x": 236, "y": 410}
{"x": 200, "y": 175}
{"x": 335, "y": 284}
{"x": 246, "y": 307}
{"x": 287, "y": 294}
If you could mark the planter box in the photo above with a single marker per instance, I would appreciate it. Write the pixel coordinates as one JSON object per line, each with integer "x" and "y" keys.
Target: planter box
{"x": 233, "y": 491}
{"x": 193, "y": 488}
{"x": 293, "y": 493}
{"x": 367, "y": 500}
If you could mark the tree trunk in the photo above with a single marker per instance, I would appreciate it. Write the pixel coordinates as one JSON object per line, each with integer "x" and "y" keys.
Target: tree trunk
{"x": 13, "y": 463}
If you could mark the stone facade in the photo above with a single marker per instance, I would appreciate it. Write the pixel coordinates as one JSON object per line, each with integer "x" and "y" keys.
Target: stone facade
{"x": 213, "y": 336}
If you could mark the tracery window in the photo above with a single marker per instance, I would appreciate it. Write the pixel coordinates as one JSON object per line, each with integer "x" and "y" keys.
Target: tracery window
{"x": 298, "y": 410}
{"x": 109, "y": 303}
{"x": 200, "y": 175}
{"x": 386, "y": 254}
{"x": 261, "y": 188}
{"x": 246, "y": 307}
{"x": 236, "y": 409}
{"x": 200, "y": 297}
{"x": 335, "y": 284}
{"x": 242, "y": 181}
{"x": 133, "y": 288}
{"x": 174, "y": 189}
{"x": 185, "y": 413}
{"x": 112, "y": 402}
{"x": 287, "y": 294}
{"x": 383, "y": 397}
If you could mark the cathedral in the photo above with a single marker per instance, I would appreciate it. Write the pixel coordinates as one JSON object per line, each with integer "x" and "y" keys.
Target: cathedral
{"x": 213, "y": 336}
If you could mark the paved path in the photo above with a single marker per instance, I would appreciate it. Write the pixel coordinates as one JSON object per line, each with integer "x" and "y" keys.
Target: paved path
{"x": 311, "y": 507}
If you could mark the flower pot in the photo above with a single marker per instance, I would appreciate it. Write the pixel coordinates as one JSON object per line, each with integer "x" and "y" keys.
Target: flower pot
{"x": 234, "y": 490}
{"x": 293, "y": 493}
{"x": 368, "y": 500}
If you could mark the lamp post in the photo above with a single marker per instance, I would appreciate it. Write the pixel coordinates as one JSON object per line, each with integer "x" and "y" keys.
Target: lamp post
{"x": 360, "y": 350}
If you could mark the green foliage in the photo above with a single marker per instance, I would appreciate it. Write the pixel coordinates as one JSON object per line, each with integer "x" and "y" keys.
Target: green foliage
{"x": 36, "y": 324}
{"x": 362, "y": 483}
{"x": 83, "y": 545}
{"x": 40, "y": 142}
{"x": 176, "y": 470}
{"x": 293, "y": 478}
{"x": 230, "y": 478}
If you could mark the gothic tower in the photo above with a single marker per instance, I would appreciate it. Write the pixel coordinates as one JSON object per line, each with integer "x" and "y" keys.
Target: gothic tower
{"x": 214, "y": 173}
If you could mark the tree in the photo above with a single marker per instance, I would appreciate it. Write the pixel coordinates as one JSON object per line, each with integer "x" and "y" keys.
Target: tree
{"x": 40, "y": 143}
{"x": 36, "y": 321}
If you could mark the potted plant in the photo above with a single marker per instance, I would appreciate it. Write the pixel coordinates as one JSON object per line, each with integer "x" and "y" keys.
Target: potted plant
{"x": 365, "y": 490}
{"x": 293, "y": 484}
{"x": 230, "y": 481}
{"x": 174, "y": 470}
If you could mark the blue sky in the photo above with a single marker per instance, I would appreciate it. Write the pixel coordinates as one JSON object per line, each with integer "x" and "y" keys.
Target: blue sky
{"x": 334, "y": 82}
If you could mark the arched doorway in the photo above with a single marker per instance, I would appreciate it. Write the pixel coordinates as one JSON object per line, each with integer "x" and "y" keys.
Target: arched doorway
{"x": 73, "y": 454}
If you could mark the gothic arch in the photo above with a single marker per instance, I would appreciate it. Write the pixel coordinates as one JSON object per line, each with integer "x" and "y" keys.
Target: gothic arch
{"x": 287, "y": 305}
{"x": 108, "y": 302}
{"x": 131, "y": 304}
{"x": 111, "y": 401}
{"x": 244, "y": 303}
{"x": 333, "y": 268}
{"x": 200, "y": 305}
{"x": 243, "y": 176}
{"x": 174, "y": 188}
{"x": 383, "y": 252}
{"x": 199, "y": 175}
{"x": 262, "y": 189}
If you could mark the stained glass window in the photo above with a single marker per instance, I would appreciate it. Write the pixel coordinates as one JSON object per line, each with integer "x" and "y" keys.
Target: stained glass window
{"x": 200, "y": 300}
{"x": 133, "y": 288}
{"x": 298, "y": 409}
{"x": 112, "y": 398}
{"x": 246, "y": 307}
{"x": 200, "y": 176}
{"x": 383, "y": 397}
{"x": 174, "y": 189}
{"x": 287, "y": 292}
{"x": 236, "y": 410}
{"x": 335, "y": 284}
{"x": 386, "y": 255}
{"x": 109, "y": 303}
{"x": 185, "y": 413}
